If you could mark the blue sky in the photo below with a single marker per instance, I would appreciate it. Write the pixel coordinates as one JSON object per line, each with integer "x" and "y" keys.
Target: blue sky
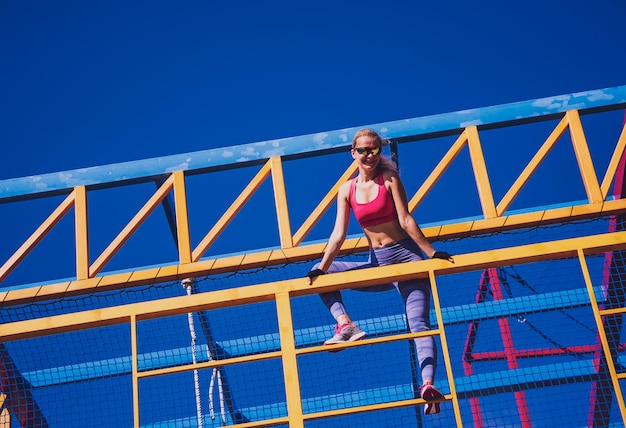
{"x": 86, "y": 84}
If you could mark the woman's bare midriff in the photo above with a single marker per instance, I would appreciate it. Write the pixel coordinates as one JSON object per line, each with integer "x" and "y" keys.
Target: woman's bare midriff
{"x": 385, "y": 234}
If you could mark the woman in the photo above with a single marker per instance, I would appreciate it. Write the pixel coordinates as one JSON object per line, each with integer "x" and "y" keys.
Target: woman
{"x": 379, "y": 202}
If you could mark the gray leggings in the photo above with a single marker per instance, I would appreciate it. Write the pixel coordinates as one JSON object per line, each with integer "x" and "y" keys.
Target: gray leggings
{"x": 415, "y": 294}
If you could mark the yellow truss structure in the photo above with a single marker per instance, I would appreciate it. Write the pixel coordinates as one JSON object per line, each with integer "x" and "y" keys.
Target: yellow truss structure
{"x": 91, "y": 275}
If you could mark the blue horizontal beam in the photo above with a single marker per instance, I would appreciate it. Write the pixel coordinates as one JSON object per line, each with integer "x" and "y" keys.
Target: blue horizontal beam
{"x": 466, "y": 386}
{"x": 306, "y": 337}
{"x": 145, "y": 169}
{"x": 478, "y": 385}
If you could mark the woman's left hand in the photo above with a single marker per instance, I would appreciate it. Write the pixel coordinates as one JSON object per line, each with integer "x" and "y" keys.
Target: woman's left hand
{"x": 442, "y": 255}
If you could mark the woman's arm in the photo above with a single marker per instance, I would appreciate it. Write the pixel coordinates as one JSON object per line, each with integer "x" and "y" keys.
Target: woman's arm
{"x": 406, "y": 220}
{"x": 340, "y": 230}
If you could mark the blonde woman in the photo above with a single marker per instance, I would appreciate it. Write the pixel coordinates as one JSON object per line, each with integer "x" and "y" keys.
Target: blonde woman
{"x": 379, "y": 202}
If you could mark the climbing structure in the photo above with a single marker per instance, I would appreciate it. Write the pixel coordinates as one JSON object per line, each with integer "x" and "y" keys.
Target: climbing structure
{"x": 187, "y": 306}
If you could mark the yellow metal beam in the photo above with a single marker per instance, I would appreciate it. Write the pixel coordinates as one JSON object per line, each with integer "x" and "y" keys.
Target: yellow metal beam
{"x": 618, "y": 153}
{"x": 445, "y": 349}
{"x": 299, "y": 287}
{"x": 190, "y": 261}
{"x": 523, "y": 178}
{"x": 182, "y": 222}
{"x": 290, "y": 363}
{"x": 297, "y": 254}
{"x": 436, "y": 174}
{"x": 82, "y": 236}
{"x": 280, "y": 199}
{"x": 231, "y": 212}
{"x": 135, "y": 370}
{"x": 131, "y": 227}
{"x": 602, "y": 332}
{"x": 323, "y": 206}
{"x": 585, "y": 164}
{"x": 209, "y": 364}
{"x": 480, "y": 173}
{"x": 37, "y": 236}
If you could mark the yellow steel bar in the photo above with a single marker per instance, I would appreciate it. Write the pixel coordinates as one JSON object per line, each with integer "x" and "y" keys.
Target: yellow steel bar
{"x": 297, "y": 254}
{"x": 299, "y": 287}
{"x": 436, "y": 174}
{"x": 585, "y": 164}
{"x": 209, "y": 364}
{"x": 279, "y": 354}
{"x": 614, "y": 163}
{"x": 132, "y": 226}
{"x": 231, "y": 212}
{"x": 82, "y": 237}
{"x": 37, "y": 236}
{"x": 262, "y": 424}
{"x": 135, "y": 369}
{"x": 368, "y": 342}
{"x": 605, "y": 343}
{"x": 367, "y": 408}
{"x": 613, "y": 311}
{"x": 280, "y": 198}
{"x": 445, "y": 349}
{"x": 532, "y": 166}
{"x": 182, "y": 218}
{"x": 323, "y": 206}
{"x": 480, "y": 173}
{"x": 290, "y": 363}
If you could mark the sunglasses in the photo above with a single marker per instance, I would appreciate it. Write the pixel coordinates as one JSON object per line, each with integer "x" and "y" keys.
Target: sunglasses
{"x": 368, "y": 150}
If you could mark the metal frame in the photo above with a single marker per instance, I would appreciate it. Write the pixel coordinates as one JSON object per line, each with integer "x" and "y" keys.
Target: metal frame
{"x": 171, "y": 173}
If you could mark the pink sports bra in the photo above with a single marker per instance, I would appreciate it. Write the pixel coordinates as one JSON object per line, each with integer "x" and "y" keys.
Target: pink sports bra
{"x": 378, "y": 211}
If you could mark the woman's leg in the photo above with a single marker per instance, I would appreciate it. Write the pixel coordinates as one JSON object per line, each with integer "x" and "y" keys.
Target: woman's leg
{"x": 345, "y": 330}
{"x": 416, "y": 297}
{"x": 333, "y": 299}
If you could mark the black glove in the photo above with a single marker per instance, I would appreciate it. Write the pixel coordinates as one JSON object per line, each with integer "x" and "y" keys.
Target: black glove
{"x": 315, "y": 273}
{"x": 441, "y": 255}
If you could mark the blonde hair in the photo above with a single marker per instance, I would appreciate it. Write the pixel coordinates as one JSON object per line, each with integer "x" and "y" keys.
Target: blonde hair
{"x": 385, "y": 162}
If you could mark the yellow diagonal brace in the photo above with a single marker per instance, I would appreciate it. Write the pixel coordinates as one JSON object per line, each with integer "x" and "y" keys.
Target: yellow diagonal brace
{"x": 436, "y": 174}
{"x": 231, "y": 212}
{"x": 323, "y": 206}
{"x": 614, "y": 163}
{"x": 131, "y": 227}
{"x": 585, "y": 164}
{"x": 532, "y": 166}
{"x": 37, "y": 236}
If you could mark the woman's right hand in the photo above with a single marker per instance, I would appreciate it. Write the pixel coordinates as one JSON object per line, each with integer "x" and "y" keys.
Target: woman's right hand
{"x": 314, "y": 274}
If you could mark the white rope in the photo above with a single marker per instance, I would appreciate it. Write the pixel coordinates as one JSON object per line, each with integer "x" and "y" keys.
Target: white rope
{"x": 216, "y": 375}
{"x": 211, "y": 387}
{"x": 187, "y": 284}
{"x": 221, "y": 391}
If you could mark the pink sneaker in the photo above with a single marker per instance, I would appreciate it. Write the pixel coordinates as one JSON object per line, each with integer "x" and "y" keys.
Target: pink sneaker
{"x": 346, "y": 333}
{"x": 433, "y": 397}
